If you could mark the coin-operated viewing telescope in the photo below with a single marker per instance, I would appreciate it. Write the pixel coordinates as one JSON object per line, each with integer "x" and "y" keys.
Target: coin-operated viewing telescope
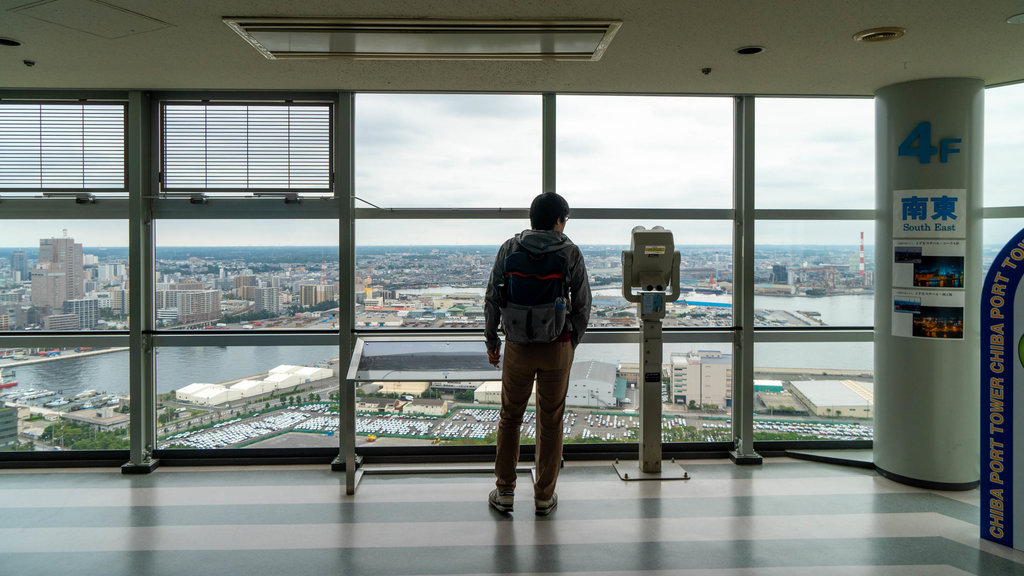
{"x": 651, "y": 268}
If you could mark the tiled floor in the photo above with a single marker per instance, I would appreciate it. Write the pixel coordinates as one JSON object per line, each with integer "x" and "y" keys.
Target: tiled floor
{"x": 785, "y": 517}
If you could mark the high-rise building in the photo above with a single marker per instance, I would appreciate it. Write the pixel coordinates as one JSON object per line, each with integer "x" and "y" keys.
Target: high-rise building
{"x": 313, "y": 294}
{"x": 268, "y": 300}
{"x": 241, "y": 281}
{"x": 19, "y": 266}
{"x": 60, "y": 274}
{"x": 247, "y": 292}
{"x": 779, "y": 274}
{"x": 8, "y": 426}
{"x": 87, "y": 311}
{"x": 119, "y": 301}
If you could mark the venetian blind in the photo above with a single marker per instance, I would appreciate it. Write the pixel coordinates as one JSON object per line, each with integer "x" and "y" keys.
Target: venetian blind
{"x": 62, "y": 146}
{"x": 247, "y": 147}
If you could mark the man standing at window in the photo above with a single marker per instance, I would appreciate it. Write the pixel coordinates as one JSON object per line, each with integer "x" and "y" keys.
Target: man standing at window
{"x": 539, "y": 292}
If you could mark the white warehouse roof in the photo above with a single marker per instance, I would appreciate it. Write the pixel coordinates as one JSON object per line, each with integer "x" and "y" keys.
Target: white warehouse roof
{"x": 249, "y": 387}
{"x": 187, "y": 393}
{"x": 284, "y": 369}
{"x": 830, "y": 393}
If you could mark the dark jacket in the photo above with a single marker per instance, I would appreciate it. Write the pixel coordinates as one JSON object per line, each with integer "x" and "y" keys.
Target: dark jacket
{"x": 540, "y": 242}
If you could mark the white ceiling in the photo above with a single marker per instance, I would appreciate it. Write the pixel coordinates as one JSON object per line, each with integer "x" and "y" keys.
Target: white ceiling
{"x": 661, "y": 47}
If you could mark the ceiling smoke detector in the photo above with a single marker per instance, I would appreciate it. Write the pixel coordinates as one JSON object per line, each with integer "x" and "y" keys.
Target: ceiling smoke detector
{"x": 883, "y": 34}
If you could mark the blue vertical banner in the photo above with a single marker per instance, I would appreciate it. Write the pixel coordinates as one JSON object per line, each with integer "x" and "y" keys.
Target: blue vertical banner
{"x": 1002, "y": 364}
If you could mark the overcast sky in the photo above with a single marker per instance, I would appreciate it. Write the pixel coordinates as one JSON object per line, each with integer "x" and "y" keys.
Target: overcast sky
{"x": 469, "y": 151}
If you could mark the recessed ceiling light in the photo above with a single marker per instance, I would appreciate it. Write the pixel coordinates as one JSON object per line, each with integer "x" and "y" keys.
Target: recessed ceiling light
{"x": 1015, "y": 19}
{"x": 9, "y": 42}
{"x": 426, "y": 39}
{"x": 748, "y": 50}
{"x": 883, "y": 34}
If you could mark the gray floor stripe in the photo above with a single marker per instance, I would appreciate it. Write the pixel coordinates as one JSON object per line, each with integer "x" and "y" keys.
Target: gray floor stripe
{"x": 322, "y": 475}
{"x": 872, "y": 555}
{"x": 411, "y": 513}
{"x": 413, "y": 491}
{"x": 500, "y": 530}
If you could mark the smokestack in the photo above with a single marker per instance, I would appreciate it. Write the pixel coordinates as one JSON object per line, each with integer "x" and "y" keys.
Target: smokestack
{"x": 862, "y": 255}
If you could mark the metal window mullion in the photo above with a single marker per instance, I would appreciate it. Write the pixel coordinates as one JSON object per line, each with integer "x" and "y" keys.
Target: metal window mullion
{"x": 344, "y": 193}
{"x": 1003, "y": 212}
{"x": 577, "y": 213}
{"x": 743, "y": 294}
{"x": 800, "y": 214}
{"x": 187, "y": 339}
{"x": 796, "y": 336}
{"x": 142, "y": 369}
{"x": 216, "y": 208}
{"x": 69, "y": 340}
{"x": 63, "y": 209}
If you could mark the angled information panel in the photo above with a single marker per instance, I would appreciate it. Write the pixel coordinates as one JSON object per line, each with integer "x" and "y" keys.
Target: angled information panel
{"x": 384, "y": 359}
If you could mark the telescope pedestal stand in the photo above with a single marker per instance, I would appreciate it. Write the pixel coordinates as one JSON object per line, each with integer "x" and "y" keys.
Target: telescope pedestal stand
{"x": 650, "y": 465}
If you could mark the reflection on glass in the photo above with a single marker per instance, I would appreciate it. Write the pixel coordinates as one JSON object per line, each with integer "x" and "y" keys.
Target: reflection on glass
{"x": 815, "y": 153}
{"x": 814, "y": 391}
{"x": 447, "y": 150}
{"x": 811, "y": 274}
{"x": 64, "y": 399}
{"x": 645, "y": 151}
{"x": 63, "y": 276}
{"x": 242, "y": 397}
{"x": 407, "y": 276}
{"x": 247, "y": 275}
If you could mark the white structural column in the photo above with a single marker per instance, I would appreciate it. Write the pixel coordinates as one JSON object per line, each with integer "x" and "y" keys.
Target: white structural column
{"x": 928, "y": 239}
{"x": 743, "y": 283}
{"x": 142, "y": 371}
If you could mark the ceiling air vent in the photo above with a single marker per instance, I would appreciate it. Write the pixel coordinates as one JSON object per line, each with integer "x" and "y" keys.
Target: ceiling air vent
{"x": 880, "y": 34}
{"x": 416, "y": 39}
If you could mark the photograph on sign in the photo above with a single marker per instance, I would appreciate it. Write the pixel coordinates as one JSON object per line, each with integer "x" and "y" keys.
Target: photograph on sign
{"x": 928, "y": 264}
{"x": 929, "y": 214}
{"x": 928, "y": 314}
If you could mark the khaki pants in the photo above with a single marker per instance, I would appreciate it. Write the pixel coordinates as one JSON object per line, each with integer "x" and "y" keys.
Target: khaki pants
{"x": 549, "y": 364}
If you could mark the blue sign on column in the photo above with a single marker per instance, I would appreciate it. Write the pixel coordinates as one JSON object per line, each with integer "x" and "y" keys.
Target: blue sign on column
{"x": 1002, "y": 364}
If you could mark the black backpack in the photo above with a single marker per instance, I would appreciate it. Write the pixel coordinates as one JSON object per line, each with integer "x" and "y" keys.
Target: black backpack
{"x": 535, "y": 296}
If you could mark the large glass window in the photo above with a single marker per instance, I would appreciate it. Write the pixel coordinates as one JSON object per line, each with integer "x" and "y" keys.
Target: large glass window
{"x": 63, "y": 398}
{"x": 644, "y": 152}
{"x": 814, "y": 153}
{"x": 64, "y": 275}
{"x": 247, "y": 396}
{"x": 247, "y": 274}
{"x": 1004, "y": 143}
{"x": 433, "y": 273}
{"x": 808, "y": 273}
{"x": 814, "y": 391}
{"x": 447, "y": 150}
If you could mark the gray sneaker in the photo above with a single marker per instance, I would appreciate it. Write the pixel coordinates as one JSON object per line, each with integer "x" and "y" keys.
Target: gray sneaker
{"x": 545, "y": 507}
{"x": 501, "y": 500}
